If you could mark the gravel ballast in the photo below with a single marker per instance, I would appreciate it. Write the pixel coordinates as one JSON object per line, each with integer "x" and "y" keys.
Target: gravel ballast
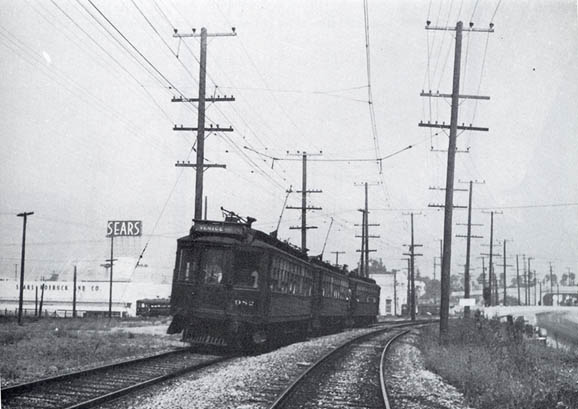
{"x": 244, "y": 382}
{"x": 411, "y": 386}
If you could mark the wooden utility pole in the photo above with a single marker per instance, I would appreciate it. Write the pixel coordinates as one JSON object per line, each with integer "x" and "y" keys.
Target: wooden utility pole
{"x": 483, "y": 272}
{"x": 24, "y": 215}
{"x": 551, "y": 283}
{"x": 36, "y": 303}
{"x": 518, "y": 278}
{"x": 304, "y": 206}
{"x": 505, "y": 265}
{"x": 525, "y": 280}
{"x": 408, "y": 298}
{"x": 365, "y": 236}
{"x": 74, "y": 295}
{"x": 529, "y": 281}
{"x": 41, "y": 300}
{"x": 412, "y": 255}
{"x": 468, "y": 237}
{"x": 111, "y": 261}
{"x": 200, "y": 165}
{"x": 337, "y": 253}
{"x": 452, "y": 147}
{"x": 395, "y": 293}
{"x": 494, "y": 298}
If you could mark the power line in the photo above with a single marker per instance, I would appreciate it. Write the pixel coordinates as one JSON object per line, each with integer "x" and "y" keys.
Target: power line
{"x": 136, "y": 49}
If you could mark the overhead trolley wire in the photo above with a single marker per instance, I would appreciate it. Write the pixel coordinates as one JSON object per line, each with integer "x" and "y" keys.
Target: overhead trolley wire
{"x": 261, "y": 76}
{"x": 121, "y": 66}
{"x": 136, "y": 49}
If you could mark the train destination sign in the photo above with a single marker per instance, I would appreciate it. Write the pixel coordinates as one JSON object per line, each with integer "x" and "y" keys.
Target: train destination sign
{"x": 218, "y": 228}
{"x": 124, "y": 228}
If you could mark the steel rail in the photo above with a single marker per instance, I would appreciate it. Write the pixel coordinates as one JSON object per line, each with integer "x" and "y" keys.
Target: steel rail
{"x": 286, "y": 394}
{"x": 10, "y": 391}
{"x": 121, "y": 392}
{"x": 382, "y": 367}
{"x": 20, "y": 390}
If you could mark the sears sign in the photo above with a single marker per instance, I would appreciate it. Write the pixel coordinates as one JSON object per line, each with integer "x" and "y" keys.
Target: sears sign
{"x": 124, "y": 228}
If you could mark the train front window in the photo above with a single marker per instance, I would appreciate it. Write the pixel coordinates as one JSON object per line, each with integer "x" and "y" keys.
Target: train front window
{"x": 246, "y": 269}
{"x": 214, "y": 262}
{"x": 187, "y": 264}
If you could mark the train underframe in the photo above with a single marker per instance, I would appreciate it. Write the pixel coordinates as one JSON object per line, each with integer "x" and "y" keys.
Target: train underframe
{"x": 241, "y": 334}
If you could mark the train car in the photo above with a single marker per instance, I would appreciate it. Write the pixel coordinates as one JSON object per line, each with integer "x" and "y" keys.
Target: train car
{"x": 364, "y": 300}
{"x": 239, "y": 287}
{"x": 331, "y": 301}
{"x": 153, "y": 307}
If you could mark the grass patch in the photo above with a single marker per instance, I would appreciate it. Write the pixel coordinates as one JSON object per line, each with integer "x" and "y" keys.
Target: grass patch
{"x": 53, "y": 346}
{"x": 495, "y": 367}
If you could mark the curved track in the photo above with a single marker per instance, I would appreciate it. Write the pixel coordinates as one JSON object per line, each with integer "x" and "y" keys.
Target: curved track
{"x": 94, "y": 386}
{"x": 348, "y": 376}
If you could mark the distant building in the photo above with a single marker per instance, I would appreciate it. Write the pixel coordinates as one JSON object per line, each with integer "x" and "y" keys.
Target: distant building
{"x": 92, "y": 297}
{"x": 390, "y": 300}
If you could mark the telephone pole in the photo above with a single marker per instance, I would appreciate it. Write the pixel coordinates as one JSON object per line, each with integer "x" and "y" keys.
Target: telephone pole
{"x": 551, "y": 283}
{"x": 74, "y": 294}
{"x": 111, "y": 265}
{"x": 412, "y": 255}
{"x": 200, "y": 165}
{"x": 395, "y": 293}
{"x": 24, "y": 216}
{"x": 468, "y": 241}
{"x": 364, "y": 261}
{"x": 518, "y": 278}
{"x": 452, "y": 147}
{"x": 304, "y": 206}
{"x": 505, "y": 265}
{"x": 492, "y": 279}
{"x": 530, "y": 278}
{"x": 337, "y": 253}
{"x": 525, "y": 279}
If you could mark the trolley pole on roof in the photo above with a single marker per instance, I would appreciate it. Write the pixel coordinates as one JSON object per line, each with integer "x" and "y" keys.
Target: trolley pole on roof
{"x": 21, "y": 296}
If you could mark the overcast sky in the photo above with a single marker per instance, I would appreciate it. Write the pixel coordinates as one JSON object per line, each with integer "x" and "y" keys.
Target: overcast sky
{"x": 87, "y": 124}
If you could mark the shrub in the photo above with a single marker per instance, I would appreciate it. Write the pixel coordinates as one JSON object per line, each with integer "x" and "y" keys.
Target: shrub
{"x": 494, "y": 366}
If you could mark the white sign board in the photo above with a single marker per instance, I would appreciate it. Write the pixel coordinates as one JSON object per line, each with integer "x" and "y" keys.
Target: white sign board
{"x": 467, "y": 302}
{"x": 123, "y": 228}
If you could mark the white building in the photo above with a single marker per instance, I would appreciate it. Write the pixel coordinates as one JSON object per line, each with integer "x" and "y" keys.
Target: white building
{"x": 393, "y": 291}
{"x": 92, "y": 297}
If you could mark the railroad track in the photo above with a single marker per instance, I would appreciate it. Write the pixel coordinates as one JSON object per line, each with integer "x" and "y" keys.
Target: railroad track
{"x": 351, "y": 375}
{"x": 84, "y": 389}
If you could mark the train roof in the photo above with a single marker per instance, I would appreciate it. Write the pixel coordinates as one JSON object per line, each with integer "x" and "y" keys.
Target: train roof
{"x": 231, "y": 232}
{"x": 243, "y": 232}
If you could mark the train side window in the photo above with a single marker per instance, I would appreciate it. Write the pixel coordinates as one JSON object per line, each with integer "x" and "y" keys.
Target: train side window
{"x": 246, "y": 269}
